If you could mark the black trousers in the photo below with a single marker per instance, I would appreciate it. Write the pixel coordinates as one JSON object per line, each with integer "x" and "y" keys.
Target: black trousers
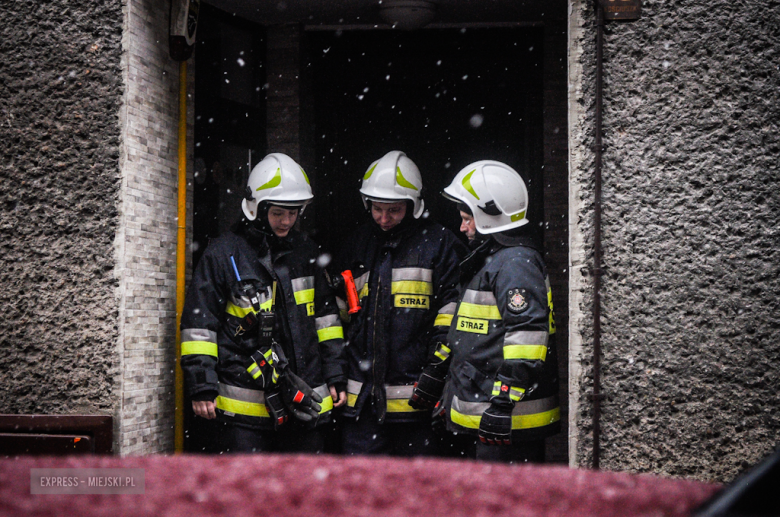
{"x": 364, "y": 435}
{"x": 467, "y": 446}
{"x": 292, "y": 438}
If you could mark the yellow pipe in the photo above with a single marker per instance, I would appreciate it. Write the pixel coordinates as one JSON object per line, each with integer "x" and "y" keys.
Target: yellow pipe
{"x": 181, "y": 257}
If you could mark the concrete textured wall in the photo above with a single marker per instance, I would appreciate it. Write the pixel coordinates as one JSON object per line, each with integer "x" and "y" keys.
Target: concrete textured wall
{"x": 88, "y": 219}
{"x": 691, "y": 326}
{"x": 60, "y": 91}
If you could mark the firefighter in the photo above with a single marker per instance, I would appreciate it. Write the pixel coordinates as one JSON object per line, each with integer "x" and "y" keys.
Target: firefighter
{"x": 502, "y": 389}
{"x": 262, "y": 343}
{"x": 405, "y": 268}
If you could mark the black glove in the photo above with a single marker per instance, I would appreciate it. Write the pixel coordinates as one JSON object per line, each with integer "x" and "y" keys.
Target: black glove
{"x": 299, "y": 398}
{"x": 262, "y": 367}
{"x": 276, "y": 408}
{"x": 430, "y": 385}
{"x": 438, "y": 422}
{"x": 495, "y": 427}
{"x": 428, "y": 388}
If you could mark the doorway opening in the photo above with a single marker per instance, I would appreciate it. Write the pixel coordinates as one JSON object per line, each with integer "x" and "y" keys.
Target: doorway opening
{"x": 446, "y": 97}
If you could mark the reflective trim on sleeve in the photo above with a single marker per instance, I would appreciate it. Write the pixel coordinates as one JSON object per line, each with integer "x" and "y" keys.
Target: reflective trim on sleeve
{"x": 302, "y": 297}
{"x": 303, "y": 289}
{"x": 526, "y": 344}
{"x": 327, "y": 401}
{"x": 199, "y": 348}
{"x": 323, "y": 322}
{"x": 303, "y": 283}
{"x": 479, "y": 297}
{"x": 479, "y": 311}
{"x": 361, "y": 285}
{"x": 328, "y": 327}
{"x": 198, "y": 335}
{"x": 550, "y": 305}
{"x": 398, "y": 399}
{"x": 449, "y": 308}
{"x": 443, "y": 320}
{"x": 325, "y": 334}
{"x": 353, "y": 390}
{"x": 525, "y": 415}
{"x": 527, "y": 337}
{"x": 529, "y": 352}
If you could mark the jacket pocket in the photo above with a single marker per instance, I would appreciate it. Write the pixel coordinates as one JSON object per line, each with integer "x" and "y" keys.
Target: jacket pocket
{"x": 480, "y": 381}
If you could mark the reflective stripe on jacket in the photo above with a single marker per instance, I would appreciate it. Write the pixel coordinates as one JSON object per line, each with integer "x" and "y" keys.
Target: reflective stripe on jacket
{"x": 215, "y": 353}
{"x": 504, "y": 320}
{"x": 408, "y": 293}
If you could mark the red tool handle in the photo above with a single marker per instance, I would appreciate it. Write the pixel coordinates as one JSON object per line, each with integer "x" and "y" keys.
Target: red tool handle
{"x": 352, "y": 294}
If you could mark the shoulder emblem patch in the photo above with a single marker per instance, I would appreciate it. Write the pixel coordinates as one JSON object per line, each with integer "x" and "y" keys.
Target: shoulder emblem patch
{"x": 516, "y": 300}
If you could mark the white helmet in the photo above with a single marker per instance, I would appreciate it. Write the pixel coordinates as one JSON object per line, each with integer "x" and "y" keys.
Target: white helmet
{"x": 278, "y": 180}
{"x": 495, "y": 193}
{"x": 394, "y": 177}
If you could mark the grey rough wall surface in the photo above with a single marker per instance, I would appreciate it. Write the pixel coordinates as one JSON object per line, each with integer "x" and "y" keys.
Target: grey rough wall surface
{"x": 60, "y": 90}
{"x": 691, "y": 323}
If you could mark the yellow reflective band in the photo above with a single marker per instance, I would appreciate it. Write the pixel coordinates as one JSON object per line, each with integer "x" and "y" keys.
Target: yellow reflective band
{"x": 310, "y": 309}
{"x": 530, "y": 352}
{"x": 305, "y": 296}
{"x": 363, "y": 291}
{"x": 474, "y": 326}
{"x": 467, "y": 421}
{"x": 411, "y": 287}
{"x": 253, "y": 368}
{"x": 326, "y": 404}
{"x": 443, "y": 320}
{"x": 473, "y": 310}
{"x": 330, "y": 333}
{"x": 552, "y": 311}
{"x": 238, "y": 312}
{"x": 518, "y": 421}
{"x": 496, "y": 388}
{"x": 240, "y": 407}
{"x": 536, "y": 420}
{"x": 351, "y": 399}
{"x": 199, "y": 348}
{"x": 442, "y": 352}
{"x": 517, "y": 216}
{"x": 410, "y": 301}
{"x": 400, "y": 406}
{"x": 267, "y": 306}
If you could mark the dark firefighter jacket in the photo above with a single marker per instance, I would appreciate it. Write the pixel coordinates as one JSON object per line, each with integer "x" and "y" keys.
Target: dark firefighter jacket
{"x": 407, "y": 291}
{"x": 214, "y": 358}
{"x": 503, "y": 331}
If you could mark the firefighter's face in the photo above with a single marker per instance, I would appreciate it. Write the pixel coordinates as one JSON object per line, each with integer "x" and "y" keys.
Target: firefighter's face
{"x": 282, "y": 219}
{"x": 388, "y": 215}
{"x": 467, "y": 225}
